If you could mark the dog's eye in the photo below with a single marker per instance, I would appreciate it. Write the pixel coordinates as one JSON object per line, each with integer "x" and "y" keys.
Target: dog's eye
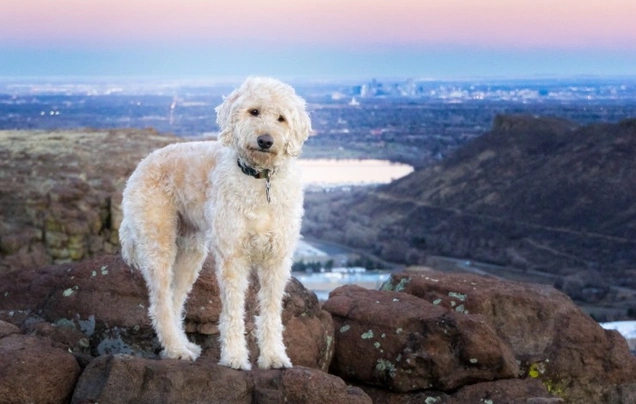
{"x": 254, "y": 112}
{"x": 281, "y": 118}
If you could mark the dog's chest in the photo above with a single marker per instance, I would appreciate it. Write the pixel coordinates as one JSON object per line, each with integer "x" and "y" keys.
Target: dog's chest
{"x": 260, "y": 220}
{"x": 263, "y": 236}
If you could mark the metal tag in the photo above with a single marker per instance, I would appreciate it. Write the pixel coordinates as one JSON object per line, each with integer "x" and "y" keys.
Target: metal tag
{"x": 268, "y": 185}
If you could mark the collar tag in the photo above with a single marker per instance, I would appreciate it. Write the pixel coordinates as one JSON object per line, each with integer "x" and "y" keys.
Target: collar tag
{"x": 268, "y": 185}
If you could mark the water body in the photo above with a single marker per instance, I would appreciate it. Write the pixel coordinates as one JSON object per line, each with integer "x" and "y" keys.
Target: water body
{"x": 351, "y": 172}
{"x": 323, "y": 283}
{"x": 336, "y": 173}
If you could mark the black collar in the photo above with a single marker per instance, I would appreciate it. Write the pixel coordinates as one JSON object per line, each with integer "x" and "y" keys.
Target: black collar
{"x": 252, "y": 172}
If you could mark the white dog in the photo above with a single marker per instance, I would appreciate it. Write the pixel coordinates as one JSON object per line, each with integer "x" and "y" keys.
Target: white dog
{"x": 241, "y": 198}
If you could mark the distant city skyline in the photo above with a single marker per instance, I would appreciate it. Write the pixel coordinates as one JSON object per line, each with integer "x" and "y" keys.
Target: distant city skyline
{"x": 318, "y": 38}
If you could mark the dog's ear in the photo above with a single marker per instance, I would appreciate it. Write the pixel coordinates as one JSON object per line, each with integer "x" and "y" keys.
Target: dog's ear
{"x": 224, "y": 114}
{"x": 301, "y": 129}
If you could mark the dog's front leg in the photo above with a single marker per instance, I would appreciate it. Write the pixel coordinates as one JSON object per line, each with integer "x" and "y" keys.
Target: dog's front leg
{"x": 232, "y": 275}
{"x": 269, "y": 325}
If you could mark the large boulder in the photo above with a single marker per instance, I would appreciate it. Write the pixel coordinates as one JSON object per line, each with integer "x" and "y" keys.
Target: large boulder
{"x": 510, "y": 391}
{"x": 553, "y": 340}
{"x": 126, "y": 379}
{"x": 405, "y": 343}
{"x": 35, "y": 369}
{"x": 99, "y": 307}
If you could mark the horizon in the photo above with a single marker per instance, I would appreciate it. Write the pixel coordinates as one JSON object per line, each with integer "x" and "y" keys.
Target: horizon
{"x": 326, "y": 38}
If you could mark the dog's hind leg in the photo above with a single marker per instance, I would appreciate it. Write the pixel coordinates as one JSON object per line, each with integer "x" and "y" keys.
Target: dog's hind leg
{"x": 191, "y": 252}
{"x": 232, "y": 274}
{"x": 269, "y": 325}
{"x": 156, "y": 252}
{"x": 164, "y": 318}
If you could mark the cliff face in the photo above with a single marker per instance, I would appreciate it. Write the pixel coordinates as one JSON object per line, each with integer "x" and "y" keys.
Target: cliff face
{"x": 60, "y": 192}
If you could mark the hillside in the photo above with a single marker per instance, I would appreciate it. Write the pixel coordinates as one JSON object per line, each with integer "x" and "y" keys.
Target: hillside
{"x": 60, "y": 191}
{"x": 533, "y": 193}
{"x": 540, "y": 171}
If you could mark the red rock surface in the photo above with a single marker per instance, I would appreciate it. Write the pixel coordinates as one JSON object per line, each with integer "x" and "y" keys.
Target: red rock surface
{"x": 551, "y": 337}
{"x": 405, "y": 343}
{"x": 35, "y": 370}
{"x": 427, "y": 337}
{"x": 511, "y": 391}
{"x": 122, "y": 378}
{"x": 106, "y": 302}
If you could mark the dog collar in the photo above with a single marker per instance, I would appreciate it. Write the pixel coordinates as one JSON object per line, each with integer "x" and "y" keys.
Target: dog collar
{"x": 252, "y": 172}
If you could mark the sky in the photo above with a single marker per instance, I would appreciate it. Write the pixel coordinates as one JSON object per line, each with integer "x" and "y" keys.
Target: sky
{"x": 317, "y": 38}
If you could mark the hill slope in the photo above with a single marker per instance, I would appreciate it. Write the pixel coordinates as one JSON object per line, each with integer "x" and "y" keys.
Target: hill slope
{"x": 60, "y": 191}
{"x": 539, "y": 193}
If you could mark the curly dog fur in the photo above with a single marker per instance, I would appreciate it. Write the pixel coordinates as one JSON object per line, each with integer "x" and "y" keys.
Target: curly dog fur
{"x": 188, "y": 199}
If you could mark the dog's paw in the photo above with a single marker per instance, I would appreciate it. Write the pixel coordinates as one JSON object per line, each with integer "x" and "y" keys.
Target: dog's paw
{"x": 235, "y": 363}
{"x": 183, "y": 353}
{"x": 274, "y": 362}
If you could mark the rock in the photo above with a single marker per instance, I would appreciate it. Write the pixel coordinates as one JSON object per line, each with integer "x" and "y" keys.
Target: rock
{"x": 304, "y": 385}
{"x": 8, "y": 329}
{"x": 123, "y": 378}
{"x": 101, "y": 298}
{"x": 553, "y": 340}
{"x": 512, "y": 391}
{"x": 65, "y": 334}
{"x": 309, "y": 330}
{"x": 35, "y": 370}
{"x": 99, "y": 307}
{"x": 383, "y": 396}
{"x": 516, "y": 391}
{"x": 404, "y": 343}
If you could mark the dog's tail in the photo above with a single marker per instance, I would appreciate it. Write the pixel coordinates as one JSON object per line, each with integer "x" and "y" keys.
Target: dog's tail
{"x": 127, "y": 241}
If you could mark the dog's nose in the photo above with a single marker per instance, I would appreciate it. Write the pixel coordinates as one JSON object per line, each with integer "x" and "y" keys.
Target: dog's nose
{"x": 265, "y": 141}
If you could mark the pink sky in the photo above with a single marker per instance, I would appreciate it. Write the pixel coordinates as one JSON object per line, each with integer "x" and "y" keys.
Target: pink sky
{"x": 556, "y": 24}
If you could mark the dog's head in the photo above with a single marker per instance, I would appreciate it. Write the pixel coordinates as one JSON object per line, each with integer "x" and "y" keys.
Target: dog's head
{"x": 265, "y": 121}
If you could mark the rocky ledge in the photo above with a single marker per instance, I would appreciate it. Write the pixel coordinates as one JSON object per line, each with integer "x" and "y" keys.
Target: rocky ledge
{"x": 79, "y": 332}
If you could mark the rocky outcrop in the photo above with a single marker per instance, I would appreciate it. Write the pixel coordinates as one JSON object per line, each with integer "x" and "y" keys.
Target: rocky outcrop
{"x": 99, "y": 307}
{"x": 60, "y": 192}
{"x": 425, "y": 337}
{"x": 93, "y": 315}
{"x": 475, "y": 324}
